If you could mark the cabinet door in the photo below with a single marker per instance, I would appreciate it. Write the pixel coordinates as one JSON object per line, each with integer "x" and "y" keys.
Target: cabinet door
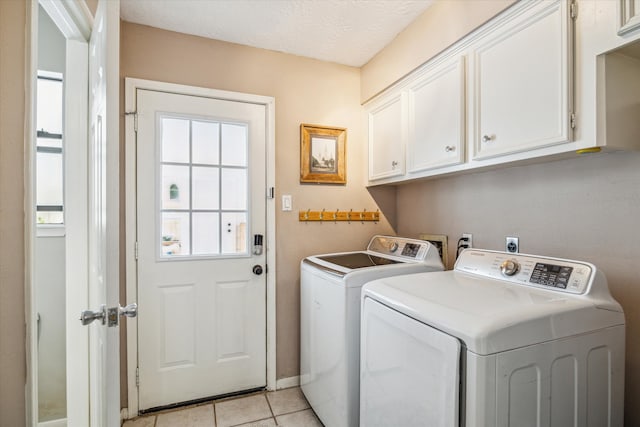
{"x": 437, "y": 118}
{"x": 629, "y": 16}
{"x": 522, "y": 83}
{"x": 387, "y": 137}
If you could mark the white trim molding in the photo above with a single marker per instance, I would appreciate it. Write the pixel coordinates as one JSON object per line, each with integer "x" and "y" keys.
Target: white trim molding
{"x": 288, "y": 382}
{"x": 73, "y": 18}
{"x": 131, "y": 87}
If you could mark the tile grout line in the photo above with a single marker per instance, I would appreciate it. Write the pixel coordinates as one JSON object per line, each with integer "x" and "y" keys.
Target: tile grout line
{"x": 265, "y": 396}
{"x": 273, "y": 415}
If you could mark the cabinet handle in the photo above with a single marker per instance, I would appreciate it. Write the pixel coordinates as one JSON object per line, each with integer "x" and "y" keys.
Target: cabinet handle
{"x": 449, "y": 148}
{"x": 487, "y": 138}
{"x": 394, "y": 164}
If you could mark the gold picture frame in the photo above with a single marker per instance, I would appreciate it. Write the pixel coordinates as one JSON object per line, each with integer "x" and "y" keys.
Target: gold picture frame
{"x": 323, "y": 152}
{"x": 440, "y": 242}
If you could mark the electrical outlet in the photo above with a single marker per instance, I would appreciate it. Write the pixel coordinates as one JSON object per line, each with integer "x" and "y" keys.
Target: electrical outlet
{"x": 513, "y": 245}
{"x": 469, "y": 242}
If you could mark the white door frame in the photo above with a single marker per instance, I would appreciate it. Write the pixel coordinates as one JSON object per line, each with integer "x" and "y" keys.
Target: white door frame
{"x": 131, "y": 86}
{"x": 75, "y": 22}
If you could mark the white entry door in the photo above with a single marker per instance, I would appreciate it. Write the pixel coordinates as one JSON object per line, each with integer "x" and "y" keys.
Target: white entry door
{"x": 201, "y": 205}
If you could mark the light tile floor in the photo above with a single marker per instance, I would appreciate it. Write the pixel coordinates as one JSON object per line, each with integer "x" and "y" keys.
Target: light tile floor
{"x": 286, "y": 408}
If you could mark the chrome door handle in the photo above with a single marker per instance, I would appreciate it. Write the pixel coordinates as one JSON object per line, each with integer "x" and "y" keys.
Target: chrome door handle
{"x": 449, "y": 148}
{"x": 89, "y": 316}
{"x": 130, "y": 310}
{"x": 114, "y": 313}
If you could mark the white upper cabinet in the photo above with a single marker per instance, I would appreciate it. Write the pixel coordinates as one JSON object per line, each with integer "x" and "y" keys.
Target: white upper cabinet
{"x": 436, "y": 125}
{"x": 629, "y": 16}
{"x": 522, "y": 83}
{"x": 543, "y": 79}
{"x": 386, "y": 120}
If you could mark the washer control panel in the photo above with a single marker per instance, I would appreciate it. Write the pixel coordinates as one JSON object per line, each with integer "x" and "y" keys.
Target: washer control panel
{"x": 399, "y": 247}
{"x": 540, "y": 272}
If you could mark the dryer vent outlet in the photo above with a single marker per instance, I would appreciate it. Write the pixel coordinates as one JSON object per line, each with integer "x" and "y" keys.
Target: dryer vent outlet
{"x": 513, "y": 245}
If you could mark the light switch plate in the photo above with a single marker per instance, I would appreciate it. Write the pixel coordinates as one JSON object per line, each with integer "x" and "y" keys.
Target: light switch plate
{"x": 286, "y": 202}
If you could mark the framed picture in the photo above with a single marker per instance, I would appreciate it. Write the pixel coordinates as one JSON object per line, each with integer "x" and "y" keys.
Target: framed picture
{"x": 323, "y": 154}
{"x": 440, "y": 243}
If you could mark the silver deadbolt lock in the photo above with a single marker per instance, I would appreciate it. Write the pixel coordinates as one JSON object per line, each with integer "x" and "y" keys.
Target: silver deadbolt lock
{"x": 257, "y": 244}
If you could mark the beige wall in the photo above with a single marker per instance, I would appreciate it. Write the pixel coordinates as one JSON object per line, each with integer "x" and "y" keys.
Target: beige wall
{"x": 12, "y": 319}
{"x": 441, "y": 25}
{"x": 306, "y": 91}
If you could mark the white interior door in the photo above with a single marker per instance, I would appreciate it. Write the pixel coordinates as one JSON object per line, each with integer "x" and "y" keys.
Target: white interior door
{"x": 201, "y": 190}
{"x": 76, "y": 114}
{"x": 103, "y": 227}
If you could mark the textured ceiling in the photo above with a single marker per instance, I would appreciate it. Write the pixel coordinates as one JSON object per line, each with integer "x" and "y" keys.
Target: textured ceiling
{"x": 348, "y": 32}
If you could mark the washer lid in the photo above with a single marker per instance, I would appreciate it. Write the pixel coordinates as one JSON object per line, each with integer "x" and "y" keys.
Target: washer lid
{"x": 394, "y": 254}
{"x": 489, "y": 315}
{"x": 353, "y": 260}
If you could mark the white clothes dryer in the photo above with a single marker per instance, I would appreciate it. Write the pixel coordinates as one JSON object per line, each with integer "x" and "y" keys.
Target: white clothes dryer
{"x": 502, "y": 340}
{"x": 330, "y": 288}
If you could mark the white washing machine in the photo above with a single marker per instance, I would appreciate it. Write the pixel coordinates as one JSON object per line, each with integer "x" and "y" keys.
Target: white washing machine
{"x": 502, "y": 340}
{"x": 330, "y": 319}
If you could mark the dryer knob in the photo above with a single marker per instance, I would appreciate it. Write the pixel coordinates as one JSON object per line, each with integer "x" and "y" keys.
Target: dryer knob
{"x": 509, "y": 267}
{"x": 393, "y": 247}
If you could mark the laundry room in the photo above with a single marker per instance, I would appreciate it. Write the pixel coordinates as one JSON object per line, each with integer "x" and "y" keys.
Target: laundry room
{"x": 584, "y": 207}
{"x": 575, "y": 196}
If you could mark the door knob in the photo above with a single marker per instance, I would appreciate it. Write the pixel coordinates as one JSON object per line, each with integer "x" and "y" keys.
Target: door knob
{"x": 257, "y": 270}
{"x": 89, "y": 316}
{"x": 114, "y": 313}
{"x": 130, "y": 310}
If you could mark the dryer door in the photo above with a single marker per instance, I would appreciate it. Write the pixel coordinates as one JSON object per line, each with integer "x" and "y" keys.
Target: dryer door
{"x": 409, "y": 372}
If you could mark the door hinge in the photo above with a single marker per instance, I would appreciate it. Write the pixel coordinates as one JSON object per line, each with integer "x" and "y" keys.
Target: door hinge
{"x": 572, "y": 118}
{"x": 271, "y": 193}
{"x": 137, "y": 377}
{"x": 135, "y": 250}
{"x": 573, "y": 10}
{"x": 135, "y": 119}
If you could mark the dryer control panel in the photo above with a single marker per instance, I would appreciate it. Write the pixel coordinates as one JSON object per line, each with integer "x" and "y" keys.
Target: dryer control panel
{"x": 410, "y": 249}
{"x": 548, "y": 273}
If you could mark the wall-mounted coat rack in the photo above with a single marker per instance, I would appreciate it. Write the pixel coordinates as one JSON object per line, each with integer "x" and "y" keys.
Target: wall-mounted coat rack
{"x": 339, "y": 215}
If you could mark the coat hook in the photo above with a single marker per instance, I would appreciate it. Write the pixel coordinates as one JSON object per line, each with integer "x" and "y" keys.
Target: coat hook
{"x": 335, "y": 215}
{"x": 322, "y": 215}
{"x": 306, "y": 215}
{"x": 349, "y": 216}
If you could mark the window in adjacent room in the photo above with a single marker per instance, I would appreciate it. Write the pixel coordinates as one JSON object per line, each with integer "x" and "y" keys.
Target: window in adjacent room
{"x": 49, "y": 150}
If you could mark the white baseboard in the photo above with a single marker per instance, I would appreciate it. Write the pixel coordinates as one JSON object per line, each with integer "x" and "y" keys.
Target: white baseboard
{"x": 62, "y": 422}
{"x": 288, "y": 382}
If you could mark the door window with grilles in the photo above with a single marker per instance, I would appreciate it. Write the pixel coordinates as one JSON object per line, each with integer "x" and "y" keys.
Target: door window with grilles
{"x": 203, "y": 187}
